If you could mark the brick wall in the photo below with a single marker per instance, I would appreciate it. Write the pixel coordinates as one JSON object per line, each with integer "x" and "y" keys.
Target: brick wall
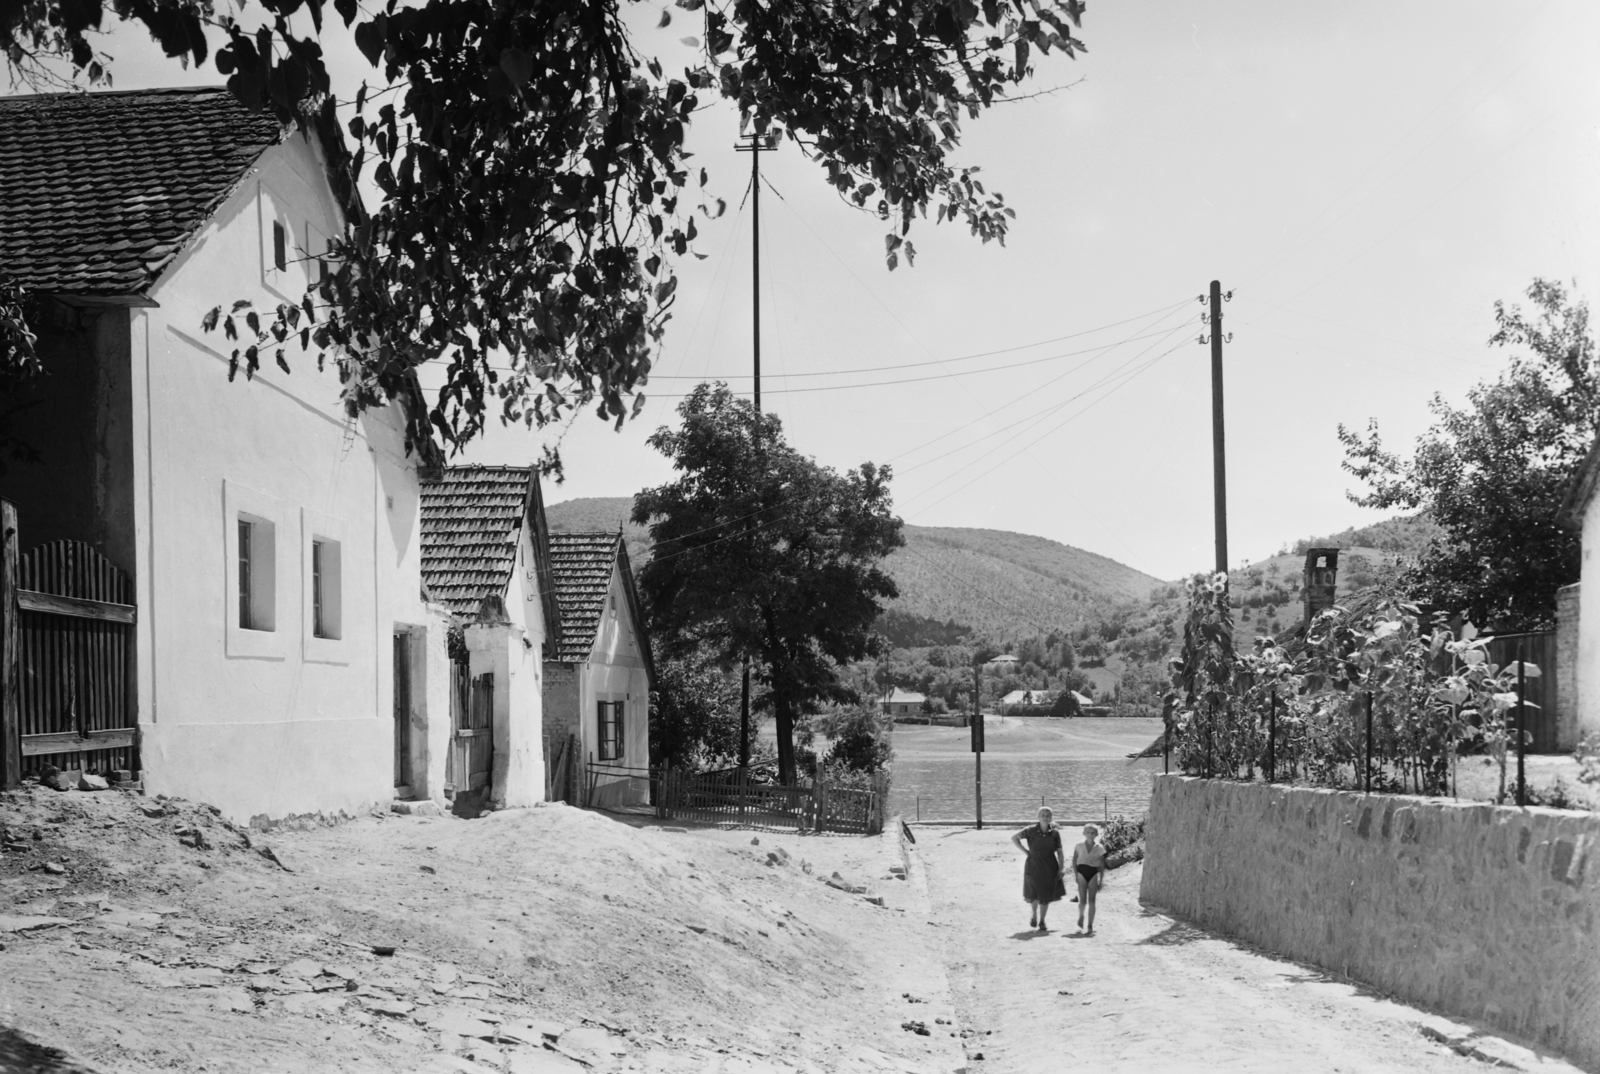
{"x": 1566, "y": 667}
{"x": 1488, "y": 913}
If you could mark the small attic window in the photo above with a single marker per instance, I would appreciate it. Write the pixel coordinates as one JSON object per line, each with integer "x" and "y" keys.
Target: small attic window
{"x": 280, "y": 246}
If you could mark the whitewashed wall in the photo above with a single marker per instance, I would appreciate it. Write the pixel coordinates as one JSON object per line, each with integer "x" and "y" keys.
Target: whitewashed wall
{"x": 615, "y": 671}
{"x": 264, "y": 725}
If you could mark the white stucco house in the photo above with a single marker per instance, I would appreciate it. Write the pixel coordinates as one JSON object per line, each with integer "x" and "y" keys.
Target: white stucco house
{"x": 898, "y": 702}
{"x": 599, "y": 677}
{"x": 277, "y": 641}
{"x": 486, "y": 559}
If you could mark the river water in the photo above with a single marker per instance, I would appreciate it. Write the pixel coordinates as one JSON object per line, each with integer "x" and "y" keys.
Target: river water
{"x": 1078, "y": 767}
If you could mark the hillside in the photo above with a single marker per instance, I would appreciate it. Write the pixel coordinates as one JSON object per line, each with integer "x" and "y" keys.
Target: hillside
{"x": 1405, "y": 536}
{"x": 1005, "y": 584}
{"x": 997, "y": 582}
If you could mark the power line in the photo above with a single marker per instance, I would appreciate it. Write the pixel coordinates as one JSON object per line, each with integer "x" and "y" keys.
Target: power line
{"x": 1049, "y": 409}
{"x": 962, "y": 358}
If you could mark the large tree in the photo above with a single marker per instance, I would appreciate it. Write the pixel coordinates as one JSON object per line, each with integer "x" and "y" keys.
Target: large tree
{"x": 761, "y": 553}
{"x": 1493, "y": 473}
{"x": 535, "y": 187}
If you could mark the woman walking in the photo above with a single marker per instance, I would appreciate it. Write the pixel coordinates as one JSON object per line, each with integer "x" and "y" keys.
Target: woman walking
{"x": 1089, "y": 862}
{"x": 1042, "y": 874}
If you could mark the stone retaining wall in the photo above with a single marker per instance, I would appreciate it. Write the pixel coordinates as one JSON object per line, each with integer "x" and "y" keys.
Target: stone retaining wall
{"x": 1484, "y": 912}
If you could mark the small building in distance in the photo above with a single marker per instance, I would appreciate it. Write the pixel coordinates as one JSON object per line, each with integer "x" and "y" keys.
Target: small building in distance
{"x": 1027, "y": 699}
{"x": 486, "y": 559}
{"x": 598, "y": 680}
{"x": 898, "y": 702}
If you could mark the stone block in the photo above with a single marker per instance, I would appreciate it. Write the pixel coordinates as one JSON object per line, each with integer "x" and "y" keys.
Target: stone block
{"x": 425, "y": 807}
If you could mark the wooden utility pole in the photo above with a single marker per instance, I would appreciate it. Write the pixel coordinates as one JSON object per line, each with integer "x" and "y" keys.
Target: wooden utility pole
{"x": 1219, "y": 468}
{"x": 753, "y": 147}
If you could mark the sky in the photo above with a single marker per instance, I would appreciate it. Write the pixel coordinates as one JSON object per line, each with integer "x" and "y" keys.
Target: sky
{"x": 1366, "y": 178}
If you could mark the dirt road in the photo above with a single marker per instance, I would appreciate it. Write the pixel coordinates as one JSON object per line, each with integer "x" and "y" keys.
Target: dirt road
{"x": 1148, "y": 993}
{"x": 140, "y": 936}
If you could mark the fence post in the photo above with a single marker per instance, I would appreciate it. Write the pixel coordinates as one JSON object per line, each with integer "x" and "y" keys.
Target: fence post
{"x": 1368, "y": 782}
{"x": 1522, "y": 713}
{"x": 1272, "y": 737}
{"x": 10, "y": 652}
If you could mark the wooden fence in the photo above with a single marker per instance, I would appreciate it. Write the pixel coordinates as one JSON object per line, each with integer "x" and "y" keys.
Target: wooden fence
{"x": 67, "y": 668}
{"x": 1538, "y": 648}
{"x": 729, "y": 797}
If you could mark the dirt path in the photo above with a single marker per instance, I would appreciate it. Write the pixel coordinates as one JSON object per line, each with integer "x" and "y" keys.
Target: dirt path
{"x": 1149, "y": 993}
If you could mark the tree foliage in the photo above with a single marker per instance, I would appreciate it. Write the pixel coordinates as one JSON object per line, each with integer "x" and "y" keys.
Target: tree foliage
{"x": 535, "y": 189}
{"x": 762, "y": 553}
{"x": 1493, "y": 473}
{"x": 694, "y": 713}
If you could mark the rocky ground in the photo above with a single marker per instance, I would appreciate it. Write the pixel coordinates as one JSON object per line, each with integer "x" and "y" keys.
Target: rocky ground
{"x": 142, "y": 935}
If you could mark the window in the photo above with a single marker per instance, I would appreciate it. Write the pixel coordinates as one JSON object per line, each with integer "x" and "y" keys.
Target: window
{"x": 611, "y": 730}
{"x": 257, "y": 574}
{"x": 280, "y": 245}
{"x": 326, "y": 609}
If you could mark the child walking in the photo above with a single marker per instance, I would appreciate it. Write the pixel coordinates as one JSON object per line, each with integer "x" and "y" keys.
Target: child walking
{"x": 1089, "y": 862}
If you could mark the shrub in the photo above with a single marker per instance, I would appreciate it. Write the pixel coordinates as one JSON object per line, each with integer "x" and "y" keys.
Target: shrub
{"x": 1119, "y": 833}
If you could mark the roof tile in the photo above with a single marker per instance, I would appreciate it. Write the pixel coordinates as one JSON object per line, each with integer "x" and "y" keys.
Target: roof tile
{"x": 581, "y": 564}
{"x": 471, "y": 518}
{"x": 99, "y": 190}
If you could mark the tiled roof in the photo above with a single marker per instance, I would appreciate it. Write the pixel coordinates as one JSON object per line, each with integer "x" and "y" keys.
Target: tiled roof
{"x": 581, "y": 564}
{"x": 471, "y": 517}
{"x": 99, "y": 191}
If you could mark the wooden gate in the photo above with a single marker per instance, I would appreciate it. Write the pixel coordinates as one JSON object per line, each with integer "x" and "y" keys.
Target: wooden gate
{"x": 1537, "y": 648}
{"x": 74, "y": 663}
{"x": 472, "y": 740}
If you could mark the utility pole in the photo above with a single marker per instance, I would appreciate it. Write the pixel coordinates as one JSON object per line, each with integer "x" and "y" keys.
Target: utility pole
{"x": 752, "y": 145}
{"x": 1219, "y": 468}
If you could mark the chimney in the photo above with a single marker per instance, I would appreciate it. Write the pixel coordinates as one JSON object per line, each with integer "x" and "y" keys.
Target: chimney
{"x": 1322, "y": 574}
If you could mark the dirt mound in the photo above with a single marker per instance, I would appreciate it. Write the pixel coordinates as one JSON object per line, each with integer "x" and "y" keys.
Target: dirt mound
{"x": 163, "y": 937}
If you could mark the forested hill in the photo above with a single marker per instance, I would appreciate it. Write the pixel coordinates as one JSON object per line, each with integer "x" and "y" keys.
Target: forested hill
{"x": 1001, "y": 584}
{"x": 1007, "y": 584}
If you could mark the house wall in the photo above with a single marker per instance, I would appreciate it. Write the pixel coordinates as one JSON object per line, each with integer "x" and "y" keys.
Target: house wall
{"x": 616, "y": 671}
{"x": 264, "y": 724}
{"x": 79, "y": 418}
{"x": 520, "y": 770}
{"x": 1480, "y": 911}
{"x": 1587, "y": 662}
{"x": 560, "y": 716}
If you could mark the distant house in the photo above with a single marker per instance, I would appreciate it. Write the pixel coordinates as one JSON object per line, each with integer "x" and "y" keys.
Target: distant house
{"x": 898, "y": 702}
{"x": 241, "y": 553}
{"x": 1027, "y": 698}
{"x": 486, "y": 560}
{"x": 1002, "y": 663}
{"x": 598, "y": 679}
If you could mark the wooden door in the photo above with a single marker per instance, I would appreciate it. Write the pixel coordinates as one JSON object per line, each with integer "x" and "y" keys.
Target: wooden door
{"x": 472, "y": 739}
{"x": 402, "y": 709}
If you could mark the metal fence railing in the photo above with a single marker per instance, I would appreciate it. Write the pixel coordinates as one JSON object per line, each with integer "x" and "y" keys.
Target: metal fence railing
{"x": 1005, "y": 810}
